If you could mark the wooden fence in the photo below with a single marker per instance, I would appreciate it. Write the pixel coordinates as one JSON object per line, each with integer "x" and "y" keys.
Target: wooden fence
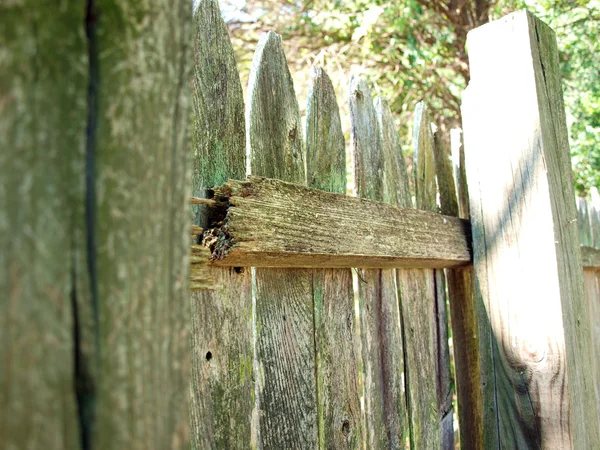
{"x": 318, "y": 320}
{"x": 296, "y": 354}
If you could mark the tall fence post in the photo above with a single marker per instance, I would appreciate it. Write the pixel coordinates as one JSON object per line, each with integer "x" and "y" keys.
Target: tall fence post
{"x": 94, "y": 218}
{"x": 534, "y": 326}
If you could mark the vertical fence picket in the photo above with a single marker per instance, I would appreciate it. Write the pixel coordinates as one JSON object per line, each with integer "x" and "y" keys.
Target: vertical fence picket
{"x": 460, "y": 173}
{"x": 591, "y": 282}
{"x": 396, "y": 192}
{"x": 583, "y": 222}
{"x": 377, "y": 290}
{"x": 43, "y": 123}
{"x": 93, "y": 220}
{"x": 418, "y": 303}
{"x": 396, "y": 189}
{"x": 449, "y": 204}
{"x": 336, "y": 336}
{"x": 285, "y": 358}
{"x": 594, "y": 215}
{"x": 462, "y": 303}
{"x": 222, "y": 379}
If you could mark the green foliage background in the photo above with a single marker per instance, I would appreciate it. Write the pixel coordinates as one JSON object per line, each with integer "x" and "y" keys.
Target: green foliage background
{"x": 415, "y": 49}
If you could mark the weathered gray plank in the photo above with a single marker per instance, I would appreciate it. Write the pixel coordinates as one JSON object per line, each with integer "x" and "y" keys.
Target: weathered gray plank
{"x": 222, "y": 388}
{"x": 594, "y": 213}
{"x": 448, "y": 205}
{"x": 424, "y": 171}
{"x": 274, "y": 133}
{"x": 396, "y": 190}
{"x": 462, "y": 309}
{"x": 42, "y": 138}
{"x": 336, "y": 337}
{"x": 93, "y": 136}
{"x": 275, "y": 224}
{"x": 460, "y": 172}
{"x": 325, "y": 145}
{"x": 591, "y": 279}
{"x": 418, "y": 300}
{"x": 583, "y": 222}
{"x": 138, "y": 217}
{"x": 366, "y": 142}
{"x": 524, "y": 219}
{"x": 378, "y": 300}
{"x": 286, "y": 392}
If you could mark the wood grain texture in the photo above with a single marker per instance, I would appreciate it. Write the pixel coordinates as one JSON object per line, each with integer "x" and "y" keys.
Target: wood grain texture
{"x": 424, "y": 171}
{"x": 591, "y": 279}
{"x": 381, "y": 343}
{"x": 462, "y": 308}
{"x": 284, "y": 313}
{"x": 417, "y": 288}
{"x": 527, "y": 261}
{"x": 594, "y": 214}
{"x": 325, "y": 145}
{"x": 583, "y": 223}
{"x": 366, "y": 142}
{"x": 336, "y": 335}
{"x": 274, "y": 142}
{"x": 42, "y": 137}
{"x": 419, "y": 302}
{"x": 138, "y": 222}
{"x": 396, "y": 190}
{"x": 222, "y": 388}
{"x": 95, "y": 130}
{"x": 460, "y": 172}
{"x": 272, "y": 223}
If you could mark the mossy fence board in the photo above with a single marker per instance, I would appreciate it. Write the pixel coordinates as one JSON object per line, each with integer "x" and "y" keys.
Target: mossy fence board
{"x": 339, "y": 353}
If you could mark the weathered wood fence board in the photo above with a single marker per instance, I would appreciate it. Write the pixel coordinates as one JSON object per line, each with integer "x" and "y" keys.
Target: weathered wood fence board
{"x": 286, "y": 391}
{"x": 222, "y": 349}
{"x": 94, "y": 222}
{"x": 525, "y": 237}
{"x": 42, "y": 137}
{"x": 461, "y": 301}
{"x": 396, "y": 191}
{"x": 378, "y": 300}
{"x": 589, "y": 234}
{"x": 418, "y": 299}
{"x": 270, "y": 223}
{"x": 336, "y": 337}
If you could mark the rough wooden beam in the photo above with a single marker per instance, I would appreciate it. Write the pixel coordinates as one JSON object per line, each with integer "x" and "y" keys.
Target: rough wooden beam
{"x": 269, "y": 223}
{"x": 527, "y": 261}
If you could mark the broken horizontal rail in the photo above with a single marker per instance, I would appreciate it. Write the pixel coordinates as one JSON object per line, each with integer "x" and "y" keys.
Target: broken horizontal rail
{"x": 262, "y": 222}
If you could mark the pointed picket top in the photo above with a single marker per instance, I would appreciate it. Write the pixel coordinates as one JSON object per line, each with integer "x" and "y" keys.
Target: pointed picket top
{"x": 367, "y": 151}
{"x": 583, "y": 222}
{"x": 222, "y": 392}
{"x": 424, "y": 169}
{"x": 445, "y": 180}
{"x": 274, "y": 143}
{"x": 396, "y": 190}
{"x": 594, "y": 213}
{"x": 460, "y": 173}
{"x": 325, "y": 146}
{"x": 286, "y": 403}
{"x": 337, "y": 363}
{"x": 218, "y": 134}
